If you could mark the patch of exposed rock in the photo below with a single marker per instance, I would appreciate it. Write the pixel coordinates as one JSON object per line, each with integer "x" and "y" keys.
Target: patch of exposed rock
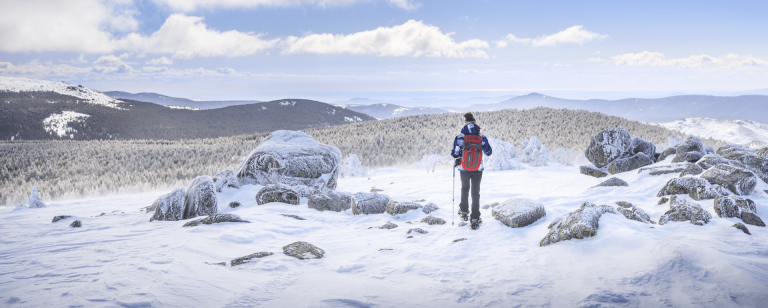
{"x": 388, "y": 226}
{"x": 417, "y": 230}
{"x": 429, "y": 208}
{"x": 633, "y": 213}
{"x": 396, "y": 208}
{"x": 711, "y": 160}
{"x": 214, "y": 219}
{"x": 612, "y": 182}
{"x": 742, "y": 227}
{"x": 691, "y": 150}
{"x": 666, "y": 153}
{"x": 57, "y": 218}
{"x": 277, "y": 193}
{"x": 739, "y": 181}
{"x": 663, "y": 200}
{"x": 579, "y": 224}
{"x": 682, "y": 210}
{"x": 246, "y": 259}
{"x": 744, "y": 209}
{"x": 297, "y": 217}
{"x": 369, "y": 203}
{"x": 200, "y": 198}
{"x": 431, "y": 220}
{"x": 630, "y": 163}
{"x": 330, "y": 200}
{"x": 303, "y": 250}
{"x": 234, "y": 204}
{"x": 76, "y": 224}
{"x": 692, "y": 169}
{"x": 487, "y": 206}
{"x": 516, "y": 213}
{"x": 592, "y": 171}
{"x": 697, "y": 188}
{"x": 609, "y": 145}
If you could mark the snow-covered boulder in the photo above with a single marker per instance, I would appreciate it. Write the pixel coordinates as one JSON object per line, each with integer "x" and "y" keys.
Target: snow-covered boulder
{"x": 169, "y": 207}
{"x": 214, "y": 219}
{"x": 330, "y": 200}
{"x": 429, "y": 208}
{"x": 277, "y": 193}
{"x": 632, "y": 212}
{"x": 612, "y": 182}
{"x": 742, "y": 227}
{"x": 691, "y": 150}
{"x": 642, "y": 146}
{"x": 35, "y": 201}
{"x": 225, "y": 178}
{"x": 662, "y": 171}
{"x": 666, "y": 153}
{"x": 732, "y": 150}
{"x": 592, "y": 171}
{"x": 579, "y": 224}
{"x": 76, "y": 224}
{"x": 417, "y": 230}
{"x": 396, "y": 208}
{"x": 692, "y": 169}
{"x": 60, "y": 217}
{"x": 294, "y": 159}
{"x": 303, "y": 250}
{"x": 711, "y": 160}
{"x": 388, "y": 226}
{"x": 744, "y": 209}
{"x": 200, "y": 198}
{"x": 682, "y": 210}
{"x": 432, "y": 220}
{"x": 608, "y": 146}
{"x": 517, "y": 213}
{"x": 245, "y": 259}
{"x": 697, "y": 188}
{"x": 739, "y": 181}
{"x": 369, "y": 203}
{"x": 630, "y": 163}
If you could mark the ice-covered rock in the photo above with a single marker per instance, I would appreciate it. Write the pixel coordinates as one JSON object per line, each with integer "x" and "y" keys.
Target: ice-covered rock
{"x": 369, "y": 203}
{"x": 691, "y": 150}
{"x": 225, "y": 178}
{"x": 682, "y": 210}
{"x": 744, "y": 209}
{"x": 739, "y": 181}
{"x": 642, "y": 146}
{"x": 60, "y": 217}
{"x": 517, "y": 213}
{"x": 245, "y": 259}
{"x": 76, "y": 224}
{"x": 666, "y": 153}
{"x": 692, "y": 169}
{"x": 429, "y": 208}
{"x": 35, "y": 201}
{"x": 200, "y": 198}
{"x": 633, "y": 213}
{"x": 277, "y": 193}
{"x": 388, "y": 226}
{"x": 169, "y": 207}
{"x": 630, "y": 163}
{"x": 330, "y": 200}
{"x": 292, "y": 158}
{"x": 612, "y": 182}
{"x": 214, "y": 219}
{"x": 697, "y": 188}
{"x": 417, "y": 230}
{"x": 579, "y": 224}
{"x": 742, "y": 227}
{"x": 396, "y": 208}
{"x": 432, "y": 220}
{"x": 303, "y": 250}
{"x": 608, "y": 146}
{"x": 592, "y": 171}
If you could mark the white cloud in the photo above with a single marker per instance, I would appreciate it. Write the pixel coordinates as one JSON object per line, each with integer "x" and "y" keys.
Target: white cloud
{"x": 413, "y": 38}
{"x": 572, "y": 35}
{"x": 403, "y": 72}
{"x": 161, "y": 60}
{"x": 648, "y": 58}
{"x": 194, "y": 5}
{"x": 109, "y": 60}
{"x": 473, "y": 71}
{"x": 405, "y": 4}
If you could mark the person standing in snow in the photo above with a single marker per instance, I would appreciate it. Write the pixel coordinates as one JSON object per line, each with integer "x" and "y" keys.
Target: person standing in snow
{"x": 468, "y": 150}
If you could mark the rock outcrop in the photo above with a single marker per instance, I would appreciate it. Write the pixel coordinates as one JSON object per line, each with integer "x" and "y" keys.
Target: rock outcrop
{"x": 277, "y": 193}
{"x": 417, "y": 230}
{"x": 303, "y": 250}
{"x": 225, "y": 178}
{"x": 388, "y": 226}
{"x": 682, "y": 210}
{"x": 697, "y": 188}
{"x": 579, "y": 224}
{"x": 612, "y": 182}
{"x": 214, "y": 219}
{"x": 429, "y": 208}
{"x": 169, "y": 207}
{"x": 200, "y": 198}
{"x": 76, "y": 224}
{"x": 516, "y": 213}
{"x": 631, "y": 163}
{"x": 234, "y": 204}
{"x": 369, "y": 203}
{"x": 431, "y": 220}
{"x": 609, "y": 145}
{"x": 592, "y": 171}
{"x": 642, "y": 146}
{"x": 711, "y": 160}
{"x": 330, "y": 200}
{"x": 663, "y": 200}
{"x": 249, "y": 257}
{"x": 60, "y": 217}
{"x": 633, "y": 213}
{"x": 292, "y": 158}
{"x": 742, "y": 227}
{"x": 739, "y": 181}
{"x": 692, "y": 169}
{"x": 691, "y": 150}
{"x": 744, "y": 209}
{"x": 666, "y": 153}
{"x": 396, "y": 208}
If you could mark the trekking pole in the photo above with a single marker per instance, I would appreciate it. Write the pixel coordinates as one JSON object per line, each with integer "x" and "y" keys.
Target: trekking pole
{"x": 453, "y": 204}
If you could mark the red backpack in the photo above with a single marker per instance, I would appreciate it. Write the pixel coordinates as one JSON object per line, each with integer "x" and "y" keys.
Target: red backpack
{"x": 472, "y": 152}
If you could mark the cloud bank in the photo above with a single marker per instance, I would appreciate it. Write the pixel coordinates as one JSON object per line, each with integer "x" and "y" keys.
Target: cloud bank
{"x": 572, "y": 35}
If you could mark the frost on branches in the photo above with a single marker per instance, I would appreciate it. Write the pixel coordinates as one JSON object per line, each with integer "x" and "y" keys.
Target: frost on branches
{"x": 534, "y": 153}
{"x": 352, "y": 167}
{"x": 504, "y": 156}
{"x": 35, "y": 201}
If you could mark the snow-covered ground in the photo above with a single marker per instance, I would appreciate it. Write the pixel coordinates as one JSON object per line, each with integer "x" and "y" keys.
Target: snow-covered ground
{"x": 735, "y": 131}
{"x": 59, "y": 123}
{"x": 16, "y": 84}
{"x": 122, "y": 259}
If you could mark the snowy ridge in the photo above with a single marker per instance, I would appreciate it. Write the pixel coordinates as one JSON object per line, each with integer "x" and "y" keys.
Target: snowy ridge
{"x": 182, "y": 107}
{"x": 59, "y": 123}
{"x": 14, "y": 84}
{"x": 746, "y": 132}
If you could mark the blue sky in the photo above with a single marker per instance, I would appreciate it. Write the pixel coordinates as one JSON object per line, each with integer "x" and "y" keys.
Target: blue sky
{"x": 338, "y": 49}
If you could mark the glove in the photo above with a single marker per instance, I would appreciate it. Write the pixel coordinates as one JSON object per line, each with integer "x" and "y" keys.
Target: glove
{"x": 456, "y": 162}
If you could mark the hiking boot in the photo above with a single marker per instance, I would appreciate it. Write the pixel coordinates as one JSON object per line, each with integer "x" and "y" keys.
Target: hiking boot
{"x": 464, "y": 216}
{"x": 475, "y": 223}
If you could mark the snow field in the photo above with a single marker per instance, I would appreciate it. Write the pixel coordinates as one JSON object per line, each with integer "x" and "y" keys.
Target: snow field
{"x": 59, "y": 123}
{"x": 16, "y": 84}
{"x": 733, "y": 131}
{"x": 124, "y": 260}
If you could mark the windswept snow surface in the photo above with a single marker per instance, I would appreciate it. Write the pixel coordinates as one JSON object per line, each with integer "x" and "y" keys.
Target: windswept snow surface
{"x": 745, "y": 132}
{"x": 121, "y": 259}
{"x": 59, "y": 123}
{"x": 15, "y": 84}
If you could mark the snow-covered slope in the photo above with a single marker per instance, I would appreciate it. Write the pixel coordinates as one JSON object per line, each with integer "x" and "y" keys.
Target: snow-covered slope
{"x": 122, "y": 259}
{"x": 15, "y": 84}
{"x": 388, "y": 111}
{"x": 59, "y": 123}
{"x": 747, "y": 132}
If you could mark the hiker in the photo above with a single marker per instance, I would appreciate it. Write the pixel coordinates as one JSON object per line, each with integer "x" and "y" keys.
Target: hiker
{"x": 468, "y": 149}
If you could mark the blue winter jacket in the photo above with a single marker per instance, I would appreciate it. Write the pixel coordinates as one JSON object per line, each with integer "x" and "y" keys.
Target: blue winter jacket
{"x": 458, "y": 143}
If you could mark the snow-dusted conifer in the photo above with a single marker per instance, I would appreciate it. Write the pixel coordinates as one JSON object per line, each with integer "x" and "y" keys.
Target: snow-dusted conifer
{"x": 351, "y": 166}
{"x": 534, "y": 153}
{"x": 35, "y": 201}
{"x": 504, "y": 156}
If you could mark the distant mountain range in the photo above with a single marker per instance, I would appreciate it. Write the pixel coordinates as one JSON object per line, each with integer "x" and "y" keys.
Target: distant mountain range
{"x": 175, "y": 101}
{"x": 388, "y": 111}
{"x": 752, "y": 133}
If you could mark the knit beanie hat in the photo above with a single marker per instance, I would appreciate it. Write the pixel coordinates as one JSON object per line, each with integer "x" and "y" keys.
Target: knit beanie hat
{"x": 468, "y": 117}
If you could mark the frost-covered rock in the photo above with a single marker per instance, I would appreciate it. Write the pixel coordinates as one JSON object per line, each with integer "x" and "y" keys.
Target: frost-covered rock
{"x": 169, "y": 207}
{"x": 429, "y": 208}
{"x": 612, "y": 182}
{"x": 642, "y": 146}
{"x": 330, "y": 200}
{"x": 662, "y": 200}
{"x": 688, "y": 157}
{"x": 57, "y": 218}
{"x": 294, "y": 159}
{"x": 711, "y": 160}
{"x": 396, "y": 208}
{"x": 630, "y": 163}
{"x": 431, "y": 220}
{"x": 692, "y": 169}
{"x": 417, "y": 230}
{"x": 249, "y": 257}
{"x": 682, "y": 210}
{"x": 388, "y": 226}
{"x": 732, "y": 150}
{"x": 739, "y": 181}
{"x": 579, "y": 224}
{"x": 303, "y": 250}
{"x": 369, "y": 203}
{"x": 665, "y": 171}
{"x": 744, "y": 209}
{"x": 487, "y": 206}
{"x": 277, "y": 193}
{"x": 225, "y": 178}
{"x": 697, "y": 188}
{"x": 691, "y": 150}
{"x": 609, "y": 145}
{"x": 517, "y": 213}
{"x": 35, "y": 201}
{"x": 742, "y": 227}
{"x": 708, "y": 150}
{"x": 76, "y": 224}
{"x": 214, "y": 219}
{"x": 666, "y": 153}
{"x": 234, "y": 204}
{"x": 632, "y": 212}
{"x": 200, "y": 198}
{"x": 592, "y": 171}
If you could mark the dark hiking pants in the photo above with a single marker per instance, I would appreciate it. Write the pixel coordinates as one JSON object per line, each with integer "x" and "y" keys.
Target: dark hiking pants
{"x": 473, "y": 178}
